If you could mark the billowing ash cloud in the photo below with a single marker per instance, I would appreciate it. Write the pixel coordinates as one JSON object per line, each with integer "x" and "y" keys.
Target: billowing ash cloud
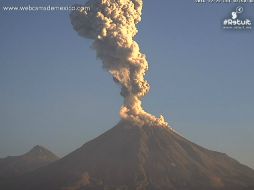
{"x": 112, "y": 26}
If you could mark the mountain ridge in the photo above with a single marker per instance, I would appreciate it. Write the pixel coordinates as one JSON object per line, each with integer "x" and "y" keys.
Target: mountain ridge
{"x": 140, "y": 158}
{"x": 14, "y": 166}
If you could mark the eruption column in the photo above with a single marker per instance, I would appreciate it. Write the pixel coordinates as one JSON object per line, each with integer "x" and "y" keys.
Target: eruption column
{"x": 111, "y": 24}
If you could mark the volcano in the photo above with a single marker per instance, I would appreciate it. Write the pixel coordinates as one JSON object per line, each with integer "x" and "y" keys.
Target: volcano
{"x": 13, "y": 166}
{"x": 139, "y": 158}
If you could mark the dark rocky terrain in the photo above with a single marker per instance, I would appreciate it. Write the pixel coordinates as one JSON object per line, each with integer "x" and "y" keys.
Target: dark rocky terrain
{"x": 139, "y": 158}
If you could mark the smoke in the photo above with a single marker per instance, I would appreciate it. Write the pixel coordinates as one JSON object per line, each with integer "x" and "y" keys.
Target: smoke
{"x": 111, "y": 24}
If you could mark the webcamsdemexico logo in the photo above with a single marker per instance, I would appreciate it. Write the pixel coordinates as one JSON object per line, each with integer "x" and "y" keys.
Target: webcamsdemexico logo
{"x": 237, "y": 21}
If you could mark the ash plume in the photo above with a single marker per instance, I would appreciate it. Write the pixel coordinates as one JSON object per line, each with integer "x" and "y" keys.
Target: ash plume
{"x": 111, "y": 24}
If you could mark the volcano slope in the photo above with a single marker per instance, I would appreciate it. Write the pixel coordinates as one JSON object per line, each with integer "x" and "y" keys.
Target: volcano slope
{"x": 139, "y": 158}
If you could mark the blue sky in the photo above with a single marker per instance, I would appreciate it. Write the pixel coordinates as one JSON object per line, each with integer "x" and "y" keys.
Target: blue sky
{"x": 53, "y": 91}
